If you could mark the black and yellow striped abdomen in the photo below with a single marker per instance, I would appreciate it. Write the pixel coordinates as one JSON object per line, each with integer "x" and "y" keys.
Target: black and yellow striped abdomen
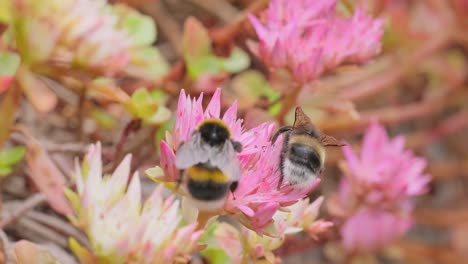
{"x": 207, "y": 183}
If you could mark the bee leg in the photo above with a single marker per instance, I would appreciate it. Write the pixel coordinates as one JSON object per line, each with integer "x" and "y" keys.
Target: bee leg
{"x": 233, "y": 188}
{"x": 280, "y": 181}
{"x": 279, "y": 132}
{"x": 237, "y": 146}
{"x": 179, "y": 179}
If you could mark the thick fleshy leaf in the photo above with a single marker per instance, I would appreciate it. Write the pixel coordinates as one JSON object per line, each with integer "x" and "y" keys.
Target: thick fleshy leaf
{"x": 107, "y": 88}
{"x": 9, "y": 63}
{"x": 46, "y": 176}
{"x": 144, "y": 106}
{"x": 249, "y": 86}
{"x": 203, "y": 65}
{"x": 31, "y": 41}
{"x": 27, "y": 252}
{"x": 5, "y": 82}
{"x": 147, "y": 63}
{"x": 5, "y": 14}
{"x": 5, "y": 171}
{"x": 159, "y": 116}
{"x": 196, "y": 42}
{"x": 141, "y": 28}
{"x": 216, "y": 256}
{"x": 103, "y": 118}
{"x": 37, "y": 92}
{"x": 8, "y": 158}
{"x": 11, "y": 155}
{"x": 237, "y": 61}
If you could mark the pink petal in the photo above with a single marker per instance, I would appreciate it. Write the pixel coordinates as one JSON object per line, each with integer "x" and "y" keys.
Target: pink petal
{"x": 167, "y": 161}
{"x": 213, "y": 110}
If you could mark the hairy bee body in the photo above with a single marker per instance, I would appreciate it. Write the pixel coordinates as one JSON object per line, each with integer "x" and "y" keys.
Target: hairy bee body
{"x": 207, "y": 186}
{"x": 209, "y": 165}
{"x": 303, "y": 152}
{"x": 302, "y": 159}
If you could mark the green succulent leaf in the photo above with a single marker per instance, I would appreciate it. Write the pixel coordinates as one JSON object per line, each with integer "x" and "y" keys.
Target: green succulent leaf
{"x": 216, "y": 256}
{"x": 147, "y": 63}
{"x": 5, "y": 171}
{"x": 141, "y": 28}
{"x": 11, "y": 156}
{"x": 9, "y": 63}
{"x": 196, "y": 41}
{"x": 103, "y": 118}
{"x": 249, "y": 86}
{"x": 5, "y": 13}
{"x": 238, "y": 61}
{"x": 206, "y": 64}
{"x": 148, "y": 107}
{"x": 155, "y": 172}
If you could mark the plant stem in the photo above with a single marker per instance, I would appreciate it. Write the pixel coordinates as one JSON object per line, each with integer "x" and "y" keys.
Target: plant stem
{"x": 394, "y": 115}
{"x": 289, "y": 102}
{"x": 224, "y": 35}
{"x": 8, "y": 109}
{"x": 379, "y": 83}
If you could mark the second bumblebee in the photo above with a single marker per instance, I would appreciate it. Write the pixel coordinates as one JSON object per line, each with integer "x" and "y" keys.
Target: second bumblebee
{"x": 303, "y": 153}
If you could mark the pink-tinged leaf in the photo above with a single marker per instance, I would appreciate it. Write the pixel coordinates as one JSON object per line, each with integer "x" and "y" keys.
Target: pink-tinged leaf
{"x": 27, "y": 252}
{"x": 106, "y": 88}
{"x": 9, "y": 63}
{"x": 167, "y": 162}
{"x": 196, "y": 42}
{"x": 37, "y": 92}
{"x": 5, "y": 82}
{"x": 47, "y": 177}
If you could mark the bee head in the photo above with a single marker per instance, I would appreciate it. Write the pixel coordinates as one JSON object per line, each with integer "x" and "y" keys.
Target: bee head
{"x": 214, "y": 132}
{"x": 303, "y": 125}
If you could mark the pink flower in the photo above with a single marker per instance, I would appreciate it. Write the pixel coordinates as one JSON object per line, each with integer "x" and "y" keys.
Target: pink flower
{"x": 308, "y": 37}
{"x": 301, "y": 216}
{"x": 190, "y": 113}
{"x": 385, "y": 173}
{"x": 85, "y": 33}
{"x": 256, "y": 198}
{"x": 377, "y": 189}
{"x": 352, "y": 40}
{"x": 371, "y": 229}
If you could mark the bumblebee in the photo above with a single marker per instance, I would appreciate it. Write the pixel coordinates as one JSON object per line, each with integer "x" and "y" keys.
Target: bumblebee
{"x": 303, "y": 152}
{"x": 208, "y": 164}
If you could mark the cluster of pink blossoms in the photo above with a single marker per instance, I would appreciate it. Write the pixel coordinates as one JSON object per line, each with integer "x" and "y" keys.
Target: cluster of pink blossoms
{"x": 309, "y": 37}
{"x": 375, "y": 194}
{"x": 257, "y": 198}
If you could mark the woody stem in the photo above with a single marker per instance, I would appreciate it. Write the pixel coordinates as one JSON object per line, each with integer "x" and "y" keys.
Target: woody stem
{"x": 289, "y": 102}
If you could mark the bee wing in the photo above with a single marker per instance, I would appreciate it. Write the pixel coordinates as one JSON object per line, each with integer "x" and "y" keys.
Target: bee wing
{"x": 226, "y": 160}
{"x": 191, "y": 152}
